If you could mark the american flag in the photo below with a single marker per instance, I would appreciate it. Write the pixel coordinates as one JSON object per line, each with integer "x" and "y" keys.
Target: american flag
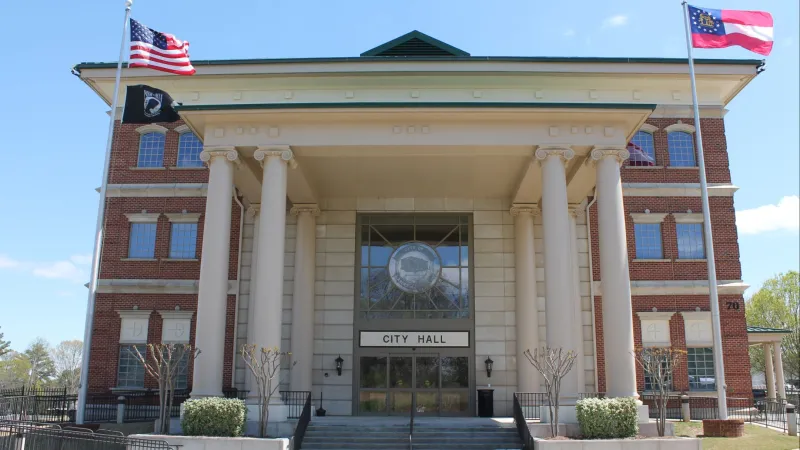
{"x": 159, "y": 51}
{"x": 638, "y": 156}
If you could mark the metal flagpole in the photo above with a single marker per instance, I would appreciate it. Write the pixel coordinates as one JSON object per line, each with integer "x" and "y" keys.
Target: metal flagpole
{"x": 98, "y": 242}
{"x": 713, "y": 298}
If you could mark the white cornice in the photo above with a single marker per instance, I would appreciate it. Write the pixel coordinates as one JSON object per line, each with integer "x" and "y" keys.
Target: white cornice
{"x": 676, "y": 190}
{"x": 157, "y": 190}
{"x": 685, "y": 127}
{"x": 655, "y": 315}
{"x": 173, "y": 314}
{"x": 648, "y": 217}
{"x": 123, "y": 286}
{"x": 680, "y": 287}
{"x": 142, "y": 217}
{"x": 151, "y": 128}
{"x": 647, "y": 128}
{"x": 183, "y": 217}
{"x": 688, "y": 217}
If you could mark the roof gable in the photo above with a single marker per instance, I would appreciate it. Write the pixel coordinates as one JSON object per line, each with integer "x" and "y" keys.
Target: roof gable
{"x": 415, "y": 43}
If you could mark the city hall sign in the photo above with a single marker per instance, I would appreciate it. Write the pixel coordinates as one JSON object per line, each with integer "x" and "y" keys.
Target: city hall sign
{"x": 414, "y": 339}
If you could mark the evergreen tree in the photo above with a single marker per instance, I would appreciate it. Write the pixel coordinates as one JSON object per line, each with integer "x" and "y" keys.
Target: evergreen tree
{"x": 5, "y": 346}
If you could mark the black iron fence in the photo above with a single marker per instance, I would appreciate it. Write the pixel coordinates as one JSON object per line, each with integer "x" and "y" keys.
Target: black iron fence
{"x": 531, "y": 404}
{"x": 45, "y": 408}
{"x": 673, "y": 406}
{"x": 520, "y": 419}
{"x": 15, "y": 435}
{"x": 302, "y": 423}
{"x": 296, "y": 401}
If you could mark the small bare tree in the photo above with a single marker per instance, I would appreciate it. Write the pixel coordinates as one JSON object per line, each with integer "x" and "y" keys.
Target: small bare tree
{"x": 553, "y": 364}
{"x": 163, "y": 365}
{"x": 658, "y": 364}
{"x": 265, "y": 365}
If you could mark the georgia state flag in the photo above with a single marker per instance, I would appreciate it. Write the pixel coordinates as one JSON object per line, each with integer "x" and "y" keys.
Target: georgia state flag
{"x": 718, "y": 28}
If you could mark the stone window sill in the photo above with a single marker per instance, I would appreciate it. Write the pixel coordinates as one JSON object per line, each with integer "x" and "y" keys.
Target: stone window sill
{"x": 138, "y": 259}
{"x": 148, "y": 168}
{"x": 122, "y": 389}
{"x": 692, "y": 260}
{"x": 187, "y": 168}
{"x": 683, "y": 167}
{"x": 180, "y": 259}
{"x": 644, "y": 167}
{"x": 651, "y": 260}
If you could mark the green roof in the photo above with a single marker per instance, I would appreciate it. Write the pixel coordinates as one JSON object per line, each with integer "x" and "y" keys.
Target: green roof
{"x": 243, "y": 106}
{"x": 415, "y": 43}
{"x": 766, "y": 330}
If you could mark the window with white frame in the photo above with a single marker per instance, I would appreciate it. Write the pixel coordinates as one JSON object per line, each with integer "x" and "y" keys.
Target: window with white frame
{"x": 647, "y": 238}
{"x": 644, "y": 140}
{"x": 701, "y": 369}
{"x": 681, "y": 149}
{"x": 183, "y": 241}
{"x": 151, "y": 150}
{"x": 189, "y": 148}
{"x": 690, "y": 241}
{"x": 142, "y": 240}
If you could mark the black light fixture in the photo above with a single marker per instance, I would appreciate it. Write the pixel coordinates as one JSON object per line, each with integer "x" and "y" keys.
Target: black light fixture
{"x": 489, "y": 363}
{"x": 339, "y": 362}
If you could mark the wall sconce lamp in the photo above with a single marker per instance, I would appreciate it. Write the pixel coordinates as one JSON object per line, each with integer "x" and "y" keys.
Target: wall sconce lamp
{"x": 489, "y": 364}
{"x": 339, "y": 362}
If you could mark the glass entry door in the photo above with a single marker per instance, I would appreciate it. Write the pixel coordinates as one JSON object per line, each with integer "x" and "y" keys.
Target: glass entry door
{"x": 390, "y": 384}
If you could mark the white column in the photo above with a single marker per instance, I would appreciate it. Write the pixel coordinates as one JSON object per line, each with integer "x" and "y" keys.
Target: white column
{"x": 576, "y": 211}
{"x": 303, "y": 298}
{"x": 769, "y": 372}
{"x": 614, "y": 273}
{"x": 780, "y": 382}
{"x": 527, "y": 313}
{"x": 558, "y": 256}
{"x": 255, "y": 211}
{"x": 268, "y": 301}
{"x": 212, "y": 296}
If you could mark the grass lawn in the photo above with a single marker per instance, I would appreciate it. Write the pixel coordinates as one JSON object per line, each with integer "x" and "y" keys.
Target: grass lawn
{"x": 755, "y": 437}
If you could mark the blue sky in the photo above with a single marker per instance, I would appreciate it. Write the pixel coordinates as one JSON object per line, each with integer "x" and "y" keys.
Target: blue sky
{"x": 56, "y": 127}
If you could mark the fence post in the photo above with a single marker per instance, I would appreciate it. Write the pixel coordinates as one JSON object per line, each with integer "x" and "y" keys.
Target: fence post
{"x": 686, "y": 412}
{"x": 120, "y": 409}
{"x": 791, "y": 419}
{"x": 19, "y": 441}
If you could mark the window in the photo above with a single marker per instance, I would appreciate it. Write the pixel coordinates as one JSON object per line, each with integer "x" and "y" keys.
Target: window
{"x": 151, "y": 150}
{"x": 648, "y": 240}
{"x": 142, "y": 241}
{"x": 681, "y": 149}
{"x": 130, "y": 372}
{"x": 182, "y": 374}
{"x": 189, "y": 148}
{"x": 645, "y": 141}
{"x": 701, "y": 369}
{"x": 650, "y": 380}
{"x": 690, "y": 241}
{"x": 183, "y": 242}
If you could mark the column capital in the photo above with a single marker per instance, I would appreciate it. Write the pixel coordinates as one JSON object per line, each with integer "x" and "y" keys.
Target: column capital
{"x": 522, "y": 209}
{"x": 577, "y": 210}
{"x": 284, "y": 152}
{"x": 304, "y": 208}
{"x": 253, "y": 210}
{"x": 224, "y": 151}
{"x": 562, "y": 151}
{"x": 620, "y": 153}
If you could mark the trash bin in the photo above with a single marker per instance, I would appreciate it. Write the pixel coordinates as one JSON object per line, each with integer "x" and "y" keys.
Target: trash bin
{"x": 485, "y": 402}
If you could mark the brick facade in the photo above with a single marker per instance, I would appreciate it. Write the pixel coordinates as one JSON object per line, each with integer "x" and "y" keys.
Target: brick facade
{"x": 105, "y": 345}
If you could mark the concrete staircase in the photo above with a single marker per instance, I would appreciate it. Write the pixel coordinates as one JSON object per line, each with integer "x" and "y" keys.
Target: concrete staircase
{"x": 392, "y": 434}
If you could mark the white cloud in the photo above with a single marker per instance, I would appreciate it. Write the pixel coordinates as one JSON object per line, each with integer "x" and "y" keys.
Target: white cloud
{"x": 783, "y": 216}
{"x": 569, "y": 32}
{"x": 74, "y": 269}
{"x": 615, "y": 21}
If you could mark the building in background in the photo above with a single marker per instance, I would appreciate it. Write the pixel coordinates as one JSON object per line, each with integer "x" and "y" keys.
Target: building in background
{"x": 416, "y": 212}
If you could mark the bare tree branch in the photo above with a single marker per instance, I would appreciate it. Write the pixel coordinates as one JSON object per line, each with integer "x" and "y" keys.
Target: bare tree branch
{"x": 265, "y": 365}
{"x": 553, "y": 364}
{"x": 658, "y": 364}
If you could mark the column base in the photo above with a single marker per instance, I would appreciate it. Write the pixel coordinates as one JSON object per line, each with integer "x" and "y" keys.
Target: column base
{"x": 277, "y": 413}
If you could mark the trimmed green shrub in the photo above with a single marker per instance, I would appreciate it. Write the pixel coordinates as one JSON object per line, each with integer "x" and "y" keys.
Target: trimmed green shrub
{"x": 608, "y": 418}
{"x": 214, "y": 416}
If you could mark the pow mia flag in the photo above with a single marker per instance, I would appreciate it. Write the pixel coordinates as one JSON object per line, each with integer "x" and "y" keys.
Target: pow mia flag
{"x": 145, "y": 104}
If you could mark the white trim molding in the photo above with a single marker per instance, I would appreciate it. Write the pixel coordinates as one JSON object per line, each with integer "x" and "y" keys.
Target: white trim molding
{"x": 142, "y": 217}
{"x": 124, "y": 286}
{"x": 655, "y": 328}
{"x": 697, "y": 328}
{"x": 151, "y": 128}
{"x": 134, "y": 326}
{"x": 655, "y": 315}
{"x": 176, "y": 326}
{"x": 182, "y": 129}
{"x": 183, "y": 217}
{"x": 688, "y": 217}
{"x": 158, "y": 190}
{"x": 680, "y": 126}
{"x": 648, "y": 217}
{"x": 675, "y": 189}
{"x": 647, "y": 128}
{"x": 680, "y": 287}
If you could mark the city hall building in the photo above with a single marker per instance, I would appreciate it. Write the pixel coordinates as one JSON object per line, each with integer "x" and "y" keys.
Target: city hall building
{"x": 409, "y": 222}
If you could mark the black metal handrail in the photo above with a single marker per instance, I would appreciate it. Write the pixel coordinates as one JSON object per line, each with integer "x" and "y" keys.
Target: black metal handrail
{"x": 411, "y": 420}
{"x": 522, "y": 425}
{"x": 302, "y": 423}
{"x": 295, "y": 401}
